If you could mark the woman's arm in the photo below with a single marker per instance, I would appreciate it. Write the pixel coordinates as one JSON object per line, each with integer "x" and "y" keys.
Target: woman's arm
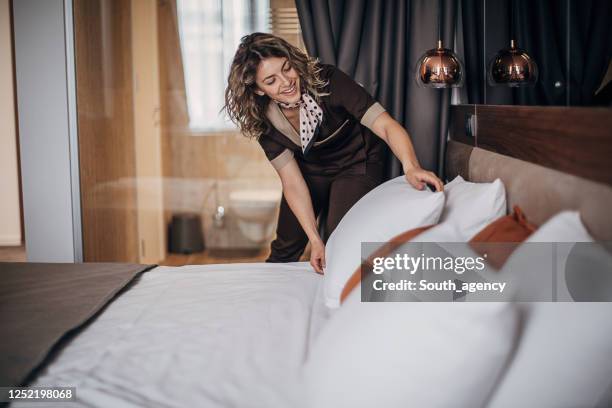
{"x": 394, "y": 134}
{"x": 298, "y": 197}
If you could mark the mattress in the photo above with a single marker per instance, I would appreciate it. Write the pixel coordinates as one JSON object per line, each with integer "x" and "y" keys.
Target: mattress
{"x": 207, "y": 336}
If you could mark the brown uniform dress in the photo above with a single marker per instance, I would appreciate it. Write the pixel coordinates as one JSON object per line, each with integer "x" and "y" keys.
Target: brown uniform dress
{"x": 343, "y": 164}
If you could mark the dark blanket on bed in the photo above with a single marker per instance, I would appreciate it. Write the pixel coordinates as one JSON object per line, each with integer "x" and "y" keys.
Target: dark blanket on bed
{"x": 42, "y": 303}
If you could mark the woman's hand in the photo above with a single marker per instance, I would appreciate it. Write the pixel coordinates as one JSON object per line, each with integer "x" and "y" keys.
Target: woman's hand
{"x": 418, "y": 177}
{"x": 317, "y": 255}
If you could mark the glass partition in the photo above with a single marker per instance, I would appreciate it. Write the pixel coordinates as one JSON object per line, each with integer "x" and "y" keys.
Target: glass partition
{"x": 163, "y": 175}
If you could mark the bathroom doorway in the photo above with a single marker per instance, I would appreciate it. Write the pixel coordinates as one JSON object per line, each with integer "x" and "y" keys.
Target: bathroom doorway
{"x": 164, "y": 177}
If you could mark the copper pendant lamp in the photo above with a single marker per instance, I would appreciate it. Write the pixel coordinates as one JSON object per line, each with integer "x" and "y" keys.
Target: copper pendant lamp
{"x": 512, "y": 67}
{"x": 439, "y": 67}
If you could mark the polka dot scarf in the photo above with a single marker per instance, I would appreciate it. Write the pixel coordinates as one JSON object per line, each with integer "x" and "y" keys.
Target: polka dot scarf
{"x": 311, "y": 117}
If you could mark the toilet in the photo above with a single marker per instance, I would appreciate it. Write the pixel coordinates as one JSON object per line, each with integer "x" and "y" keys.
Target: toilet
{"x": 255, "y": 212}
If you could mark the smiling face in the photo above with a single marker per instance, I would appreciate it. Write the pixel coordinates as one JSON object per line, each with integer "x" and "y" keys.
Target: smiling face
{"x": 277, "y": 79}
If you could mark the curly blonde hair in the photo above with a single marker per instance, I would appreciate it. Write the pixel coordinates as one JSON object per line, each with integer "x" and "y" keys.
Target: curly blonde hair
{"x": 244, "y": 107}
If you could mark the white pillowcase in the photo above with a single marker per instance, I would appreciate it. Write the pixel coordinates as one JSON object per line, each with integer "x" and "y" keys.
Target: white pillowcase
{"x": 564, "y": 358}
{"x": 473, "y": 206}
{"x": 565, "y": 226}
{"x": 528, "y": 269}
{"x": 409, "y": 354}
{"x": 388, "y": 210}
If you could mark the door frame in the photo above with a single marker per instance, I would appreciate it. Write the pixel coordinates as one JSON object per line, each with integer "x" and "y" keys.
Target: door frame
{"x": 43, "y": 33}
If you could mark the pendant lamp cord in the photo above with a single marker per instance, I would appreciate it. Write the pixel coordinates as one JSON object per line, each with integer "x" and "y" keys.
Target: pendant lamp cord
{"x": 512, "y": 19}
{"x": 439, "y": 21}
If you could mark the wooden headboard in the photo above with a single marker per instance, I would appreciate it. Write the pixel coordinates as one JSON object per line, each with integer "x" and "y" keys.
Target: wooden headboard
{"x": 549, "y": 158}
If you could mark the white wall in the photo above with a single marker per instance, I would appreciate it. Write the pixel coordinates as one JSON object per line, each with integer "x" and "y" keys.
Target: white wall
{"x": 46, "y": 103}
{"x": 10, "y": 222}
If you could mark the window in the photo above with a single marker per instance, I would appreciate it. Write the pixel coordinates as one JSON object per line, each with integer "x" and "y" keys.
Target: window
{"x": 210, "y": 31}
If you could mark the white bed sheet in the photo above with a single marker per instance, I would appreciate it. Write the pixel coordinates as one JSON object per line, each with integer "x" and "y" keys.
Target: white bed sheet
{"x": 231, "y": 335}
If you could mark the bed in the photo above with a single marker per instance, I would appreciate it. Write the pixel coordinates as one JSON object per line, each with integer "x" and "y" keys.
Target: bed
{"x": 237, "y": 335}
{"x": 209, "y": 335}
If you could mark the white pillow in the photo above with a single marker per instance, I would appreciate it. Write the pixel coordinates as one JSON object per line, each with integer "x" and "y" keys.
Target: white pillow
{"x": 409, "y": 354}
{"x": 528, "y": 270}
{"x": 388, "y": 210}
{"x": 447, "y": 240}
{"x": 473, "y": 206}
{"x": 564, "y": 357}
{"x": 565, "y": 226}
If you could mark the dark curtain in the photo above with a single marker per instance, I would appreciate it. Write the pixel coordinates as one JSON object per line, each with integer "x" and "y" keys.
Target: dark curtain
{"x": 590, "y": 50}
{"x": 472, "y": 38}
{"x": 541, "y": 29}
{"x": 378, "y": 42}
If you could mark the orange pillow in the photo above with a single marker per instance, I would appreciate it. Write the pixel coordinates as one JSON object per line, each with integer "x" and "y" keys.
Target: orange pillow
{"x": 510, "y": 228}
{"x": 383, "y": 251}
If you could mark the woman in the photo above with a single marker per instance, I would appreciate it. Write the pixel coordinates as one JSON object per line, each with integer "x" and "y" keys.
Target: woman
{"x": 321, "y": 131}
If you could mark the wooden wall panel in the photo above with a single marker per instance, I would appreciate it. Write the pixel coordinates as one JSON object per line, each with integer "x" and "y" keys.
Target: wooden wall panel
{"x": 574, "y": 140}
{"x": 147, "y": 134}
{"x": 106, "y": 128}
